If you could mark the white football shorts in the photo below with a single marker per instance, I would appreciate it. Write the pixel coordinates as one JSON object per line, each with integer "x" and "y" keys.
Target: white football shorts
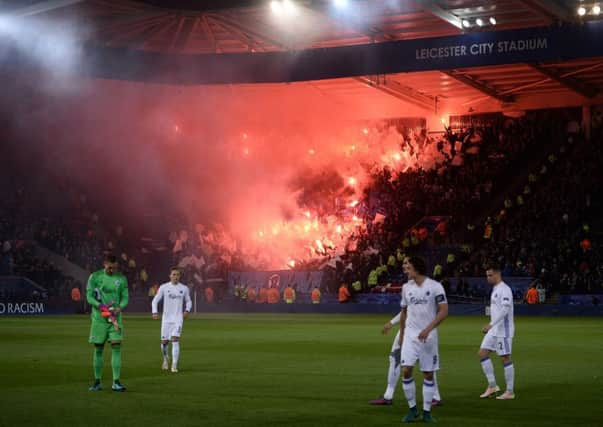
{"x": 426, "y": 353}
{"x": 501, "y": 345}
{"x": 170, "y": 330}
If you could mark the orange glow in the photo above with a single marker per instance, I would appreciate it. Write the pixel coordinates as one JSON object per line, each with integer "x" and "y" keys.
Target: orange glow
{"x": 320, "y": 246}
{"x": 294, "y": 202}
{"x": 245, "y": 177}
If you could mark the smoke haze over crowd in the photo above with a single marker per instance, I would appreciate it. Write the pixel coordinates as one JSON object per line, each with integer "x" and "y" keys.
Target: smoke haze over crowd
{"x": 274, "y": 172}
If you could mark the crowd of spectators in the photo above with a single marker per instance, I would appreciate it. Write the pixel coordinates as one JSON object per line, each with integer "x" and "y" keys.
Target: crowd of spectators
{"x": 467, "y": 179}
{"x": 523, "y": 193}
{"x": 548, "y": 230}
{"x": 31, "y": 215}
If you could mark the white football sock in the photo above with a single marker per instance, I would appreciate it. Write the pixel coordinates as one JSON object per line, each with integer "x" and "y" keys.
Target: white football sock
{"x": 175, "y": 353}
{"x": 510, "y": 376}
{"x": 393, "y": 375}
{"x": 408, "y": 385}
{"x": 488, "y": 369}
{"x": 428, "y": 389}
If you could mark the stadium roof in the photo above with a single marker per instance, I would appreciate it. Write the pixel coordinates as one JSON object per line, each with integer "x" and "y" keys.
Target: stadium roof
{"x": 231, "y": 26}
{"x": 223, "y": 26}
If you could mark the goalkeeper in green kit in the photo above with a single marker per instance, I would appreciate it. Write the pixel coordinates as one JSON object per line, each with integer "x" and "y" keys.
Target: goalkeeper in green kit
{"x": 107, "y": 294}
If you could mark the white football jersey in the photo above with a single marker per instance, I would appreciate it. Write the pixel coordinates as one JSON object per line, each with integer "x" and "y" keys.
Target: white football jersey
{"x": 421, "y": 303}
{"x": 501, "y": 300}
{"x": 173, "y": 296}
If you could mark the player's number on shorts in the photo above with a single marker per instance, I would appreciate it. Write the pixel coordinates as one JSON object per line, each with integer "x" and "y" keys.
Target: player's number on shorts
{"x": 500, "y": 346}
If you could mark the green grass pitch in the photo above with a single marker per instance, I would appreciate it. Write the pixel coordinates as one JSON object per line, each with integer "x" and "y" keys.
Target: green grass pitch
{"x": 290, "y": 370}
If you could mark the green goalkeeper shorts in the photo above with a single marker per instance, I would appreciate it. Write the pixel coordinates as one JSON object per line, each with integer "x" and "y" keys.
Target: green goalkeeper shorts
{"x": 101, "y": 332}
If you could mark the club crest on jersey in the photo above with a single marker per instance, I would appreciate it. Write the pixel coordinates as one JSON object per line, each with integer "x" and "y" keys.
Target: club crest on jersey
{"x": 117, "y": 282}
{"x": 418, "y": 301}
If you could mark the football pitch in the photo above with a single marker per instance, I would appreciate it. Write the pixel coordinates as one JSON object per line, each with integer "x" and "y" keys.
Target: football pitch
{"x": 291, "y": 370}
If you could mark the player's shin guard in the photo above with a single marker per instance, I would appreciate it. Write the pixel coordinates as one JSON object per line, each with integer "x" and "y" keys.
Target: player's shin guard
{"x": 428, "y": 390}
{"x": 116, "y": 361}
{"x": 393, "y": 375}
{"x": 408, "y": 385}
{"x": 175, "y": 353}
{"x": 97, "y": 362}
{"x": 488, "y": 369}
{"x": 510, "y": 376}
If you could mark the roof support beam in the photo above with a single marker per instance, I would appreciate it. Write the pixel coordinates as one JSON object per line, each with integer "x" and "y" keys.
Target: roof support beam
{"x": 186, "y": 26}
{"x": 146, "y": 36}
{"x": 163, "y": 29}
{"x": 433, "y": 8}
{"x": 397, "y": 90}
{"x": 136, "y": 30}
{"x": 479, "y": 86}
{"x": 209, "y": 33}
{"x": 41, "y": 7}
{"x": 546, "y": 79}
{"x": 539, "y": 10}
{"x": 235, "y": 32}
{"x": 234, "y": 25}
{"x": 539, "y": 82}
{"x": 568, "y": 82}
{"x": 351, "y": 23}
{"x": 557, "y": 9}
{"x": 117, "y": 28}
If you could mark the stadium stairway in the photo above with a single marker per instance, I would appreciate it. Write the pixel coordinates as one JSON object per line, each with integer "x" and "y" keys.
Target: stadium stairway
{"x": 67, "y": 267}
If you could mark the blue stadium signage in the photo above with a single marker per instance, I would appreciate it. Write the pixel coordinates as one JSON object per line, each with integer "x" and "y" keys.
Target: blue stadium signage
{"x": 21, "y": 308}
{"x": 558, "y": 43}
{"x": 483, "y": 49}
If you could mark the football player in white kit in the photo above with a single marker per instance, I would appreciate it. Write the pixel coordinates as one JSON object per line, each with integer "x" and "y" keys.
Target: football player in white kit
{"x": 173, "y": 294}
{"x": 393, "y": 374}
{"x": 499, "y": 336}
{"x": 423, "y": 307}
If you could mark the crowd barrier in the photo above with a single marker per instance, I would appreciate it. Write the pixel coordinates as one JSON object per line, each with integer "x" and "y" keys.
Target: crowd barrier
{"x": 142, "y": 304}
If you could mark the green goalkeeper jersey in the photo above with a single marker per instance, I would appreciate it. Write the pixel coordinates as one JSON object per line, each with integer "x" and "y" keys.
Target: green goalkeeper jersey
{"x": 106, "y": 289}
